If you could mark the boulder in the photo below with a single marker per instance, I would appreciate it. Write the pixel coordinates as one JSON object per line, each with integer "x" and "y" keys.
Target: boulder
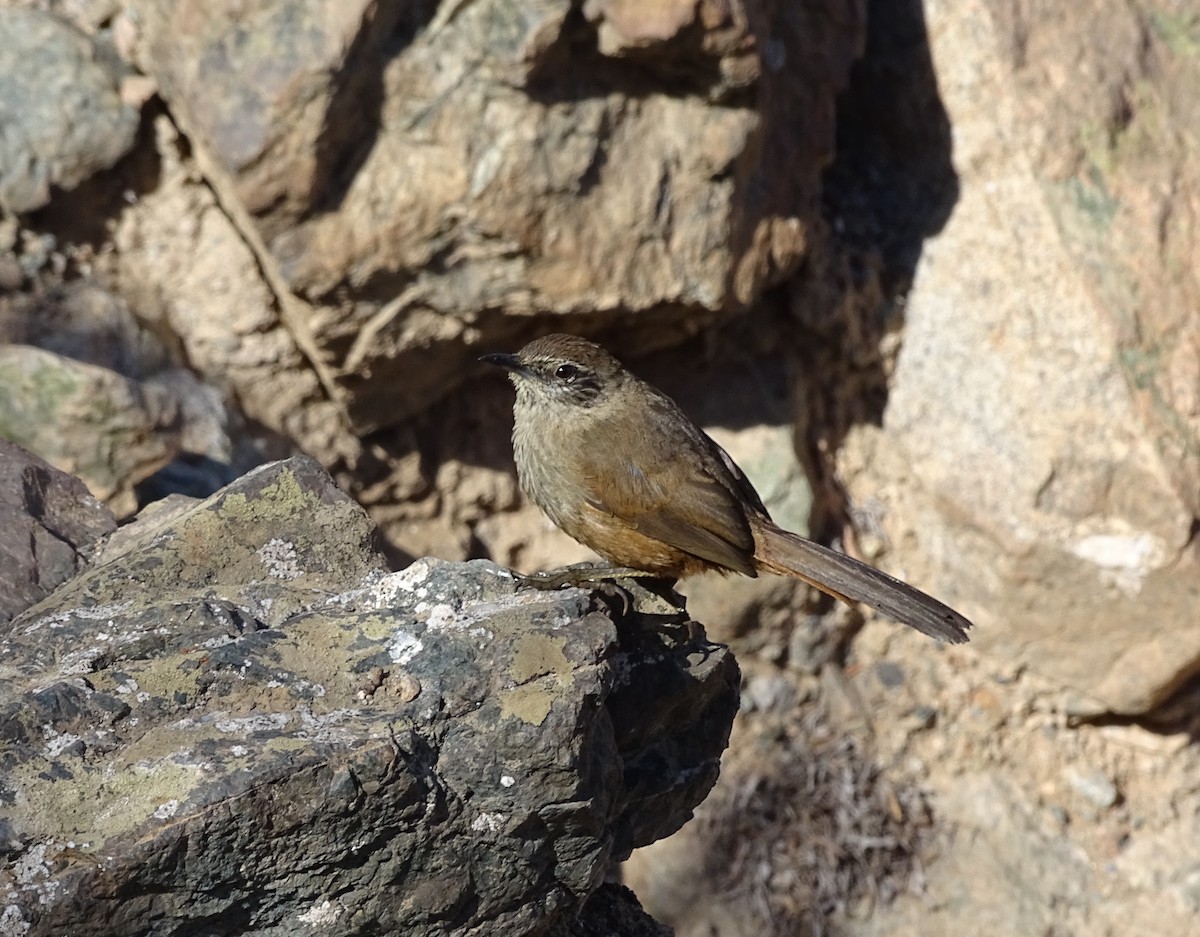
{"x": 49, "y": 523}
{"x": 111, "y": 430}
{"x": 404, "y": 172}
{"x": 62, "y": 118}
{"x": 1015, "y": 463}
{"x": 238, "y": 722}
{"x": 92, "y": 390}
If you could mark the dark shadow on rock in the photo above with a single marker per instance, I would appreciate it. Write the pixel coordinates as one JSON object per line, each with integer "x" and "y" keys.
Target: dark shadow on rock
{"x": 86, "y": 215}
{"x": 573, "y": 68}
{"x": 891, "y": 187}
{"x": 354, "y": 115}
{"x": 733, "y": 377}
{"x": 893, "y": 184}
{"x": 612, "y": 911}
{"x": 191, "y": 474}
{"x": 1177, "y": 714}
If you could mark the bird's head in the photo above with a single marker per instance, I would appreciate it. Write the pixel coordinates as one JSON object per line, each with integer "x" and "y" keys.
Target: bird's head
{"x": 562, "y": 370}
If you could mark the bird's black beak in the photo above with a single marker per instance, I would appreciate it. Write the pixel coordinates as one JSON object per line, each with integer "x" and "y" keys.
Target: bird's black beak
{"x": 508, "y": 362}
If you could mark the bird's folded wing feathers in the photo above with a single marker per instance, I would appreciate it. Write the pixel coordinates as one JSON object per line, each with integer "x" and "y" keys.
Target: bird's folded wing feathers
{"x": 673, "y": 501}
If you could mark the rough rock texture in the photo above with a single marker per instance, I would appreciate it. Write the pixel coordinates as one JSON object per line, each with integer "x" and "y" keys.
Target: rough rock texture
{"x": 49, "y": 523}
{"x": 94, "y": 392}
{"x": 182, "y": 263}
{"x": 61, "y": 113}
{"x": 1029, "y": 486}
{"x": 405, "y": 175}
{"x": 1117, "y": 161}
{"x": 979, "y": 368}
{"x": 44, "y": 396}
{"x": 237, "y": 723}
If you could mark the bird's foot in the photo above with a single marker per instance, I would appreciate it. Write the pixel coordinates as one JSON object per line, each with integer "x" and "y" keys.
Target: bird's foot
{"x": 604, "y": 581}
{"x": 583, "y": 574}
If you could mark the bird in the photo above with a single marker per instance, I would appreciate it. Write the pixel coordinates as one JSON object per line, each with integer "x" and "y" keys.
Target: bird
{"x": 616, "y": 464}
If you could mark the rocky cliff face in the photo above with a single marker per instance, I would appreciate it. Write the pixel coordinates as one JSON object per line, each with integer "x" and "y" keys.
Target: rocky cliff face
{"x": 927, "y": 270}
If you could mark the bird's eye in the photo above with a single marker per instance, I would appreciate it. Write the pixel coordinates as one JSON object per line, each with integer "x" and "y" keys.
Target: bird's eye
{"x": 566, "y": 372}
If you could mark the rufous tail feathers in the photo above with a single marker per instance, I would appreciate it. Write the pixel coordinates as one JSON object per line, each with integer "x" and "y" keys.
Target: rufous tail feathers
{"x": 787, "y": 554}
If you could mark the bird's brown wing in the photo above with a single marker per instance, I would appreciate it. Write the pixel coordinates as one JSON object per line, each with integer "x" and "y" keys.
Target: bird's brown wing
{"x": 677, "y": 490}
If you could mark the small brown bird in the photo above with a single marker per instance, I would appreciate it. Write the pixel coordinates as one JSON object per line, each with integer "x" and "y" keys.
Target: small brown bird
{"x": 618, "y": 466}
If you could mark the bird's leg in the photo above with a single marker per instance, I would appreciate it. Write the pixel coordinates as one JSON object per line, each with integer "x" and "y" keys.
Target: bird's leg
{"x": 579, "y": 574}
{"x": 602, "y": 579}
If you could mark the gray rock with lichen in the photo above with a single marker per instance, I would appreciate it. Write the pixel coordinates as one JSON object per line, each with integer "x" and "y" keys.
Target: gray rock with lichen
{"x": 238, "y": 722}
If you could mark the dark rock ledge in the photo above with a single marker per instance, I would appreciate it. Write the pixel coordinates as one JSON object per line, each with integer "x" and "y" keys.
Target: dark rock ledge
{"x": 238, "y": 722}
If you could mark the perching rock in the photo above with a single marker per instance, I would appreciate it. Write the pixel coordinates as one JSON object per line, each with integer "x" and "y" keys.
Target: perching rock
{"x": 49, "y": 523}
{"x": 239, "y": 723}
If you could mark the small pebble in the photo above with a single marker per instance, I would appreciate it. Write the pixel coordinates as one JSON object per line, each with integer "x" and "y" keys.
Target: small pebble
{"x": 890, "y": 675}
{"x": 1093, "y": 786}
{"x": 923, "y": 718}
{"x": 406, "y": 687}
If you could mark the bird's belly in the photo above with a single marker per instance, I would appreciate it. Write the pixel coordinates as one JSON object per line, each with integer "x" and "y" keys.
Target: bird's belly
{"x": 624, "y": 545}
{"x": 559, "y": 493}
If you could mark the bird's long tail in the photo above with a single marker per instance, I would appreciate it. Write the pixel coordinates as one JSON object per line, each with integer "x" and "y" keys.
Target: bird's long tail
{"x": 779, "y": 551}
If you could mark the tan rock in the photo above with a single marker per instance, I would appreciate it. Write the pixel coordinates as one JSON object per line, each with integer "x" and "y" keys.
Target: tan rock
{"x": 1116, "y": 157}
{"x": 187, "y": 270}
{"x": 1023, "y": 483}
{"x": 401, "y": 182}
